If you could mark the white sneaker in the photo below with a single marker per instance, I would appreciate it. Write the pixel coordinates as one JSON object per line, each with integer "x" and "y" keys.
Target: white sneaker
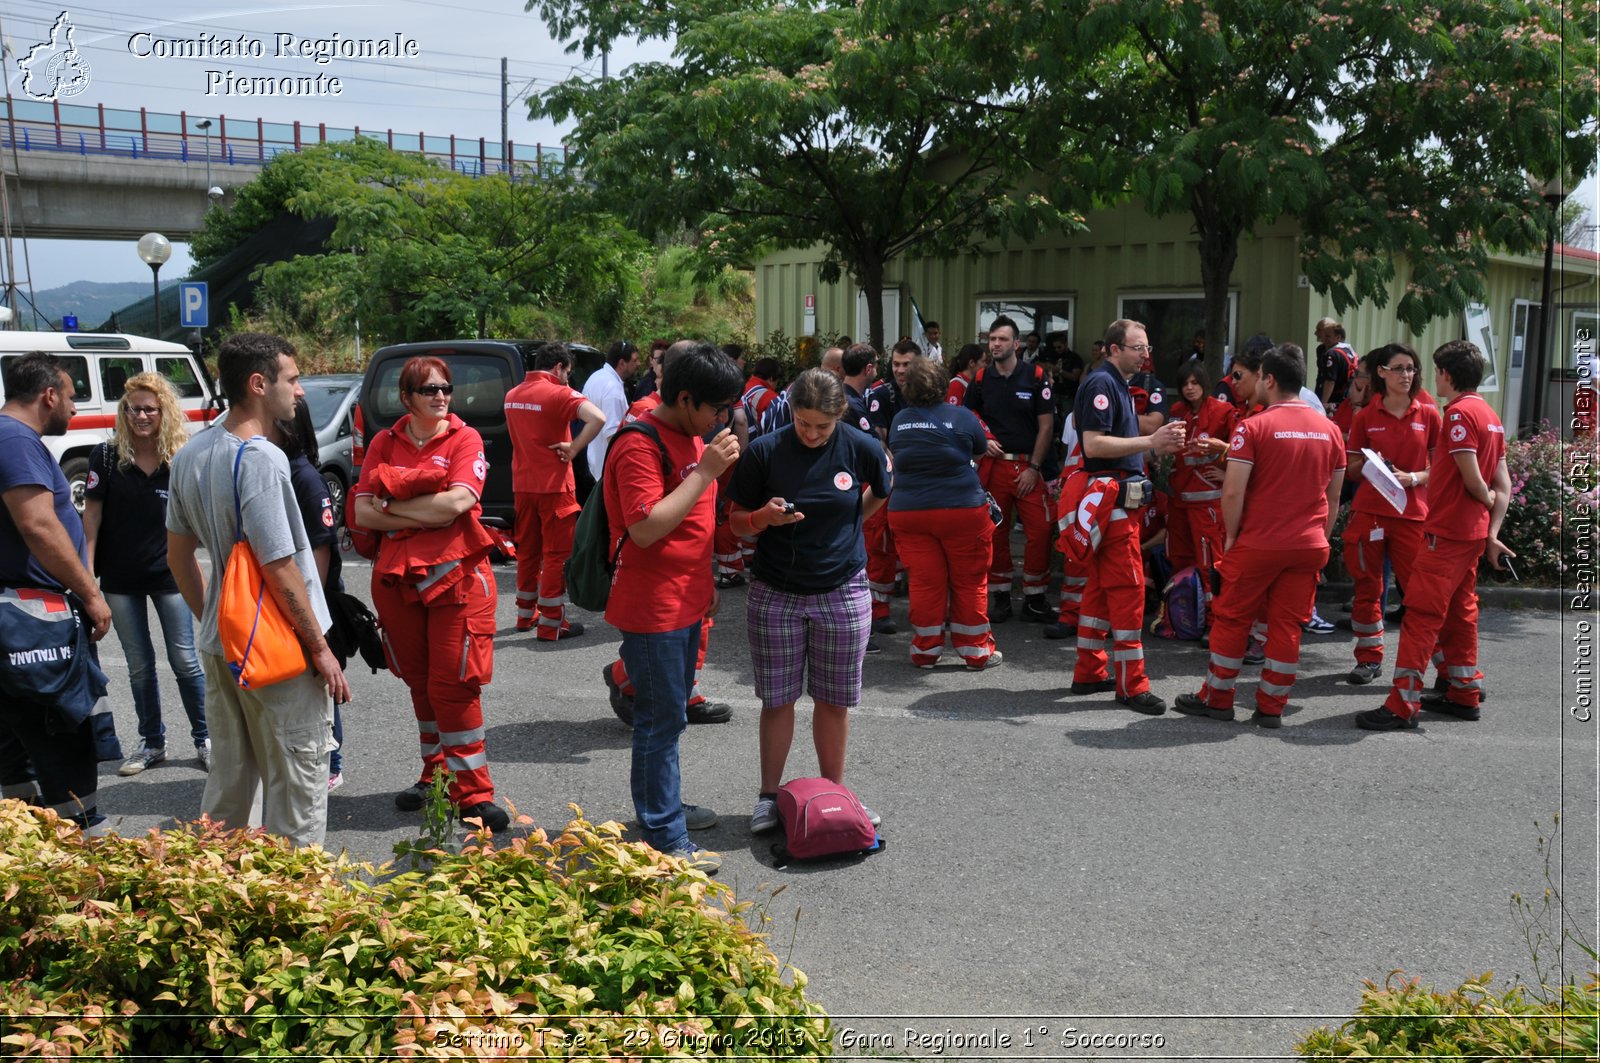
{"x": 872, "y": 817}
{"x": 144, "y": 758}
{"x": 202, "y": 752}
{"x": 335, "y": 781}
{"x": 765, "y": 817}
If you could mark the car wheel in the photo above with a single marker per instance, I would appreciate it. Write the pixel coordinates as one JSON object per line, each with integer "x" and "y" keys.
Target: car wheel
{"x": 77, "y": 473}
{"x": 336, "y": 491}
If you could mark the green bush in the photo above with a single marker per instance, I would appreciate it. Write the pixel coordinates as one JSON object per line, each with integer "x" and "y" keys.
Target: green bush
{"x": 197, "y": 940}
{"x": 1402, "y": 1020}
{"x": 1541, "y": 497}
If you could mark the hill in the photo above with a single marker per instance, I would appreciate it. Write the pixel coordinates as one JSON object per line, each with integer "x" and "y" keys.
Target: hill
{"x": 92, "y": 301}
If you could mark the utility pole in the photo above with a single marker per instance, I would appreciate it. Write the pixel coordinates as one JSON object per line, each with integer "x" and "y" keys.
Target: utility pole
{"x": 505, "y": 110}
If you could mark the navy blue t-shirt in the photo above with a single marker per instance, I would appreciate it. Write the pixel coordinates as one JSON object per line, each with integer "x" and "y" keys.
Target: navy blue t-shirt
{"x": 822, "y": 552}
{"x": 130, "y": 549}
{"x": 884, "y": 401}
{"x": 1011, "y": 405}
{"x": 857, "y": 409}
{"x": 316, "y": 511}
{"x": 933, "y": 449}
{"x": 25, "y": 462}
{"x": 1104, "y": 405}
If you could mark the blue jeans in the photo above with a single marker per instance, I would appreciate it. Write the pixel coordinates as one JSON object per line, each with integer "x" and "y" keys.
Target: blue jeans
{"x": 132, "y": 622}
{"x": 661, "y": 667}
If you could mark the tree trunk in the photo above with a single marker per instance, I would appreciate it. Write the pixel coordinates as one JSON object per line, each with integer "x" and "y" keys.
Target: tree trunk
{"x": 872, "y": 284}
{"x": 1219, "y": 251}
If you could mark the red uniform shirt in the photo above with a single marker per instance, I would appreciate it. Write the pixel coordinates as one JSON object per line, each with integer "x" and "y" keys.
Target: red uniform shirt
{"x": 1345, "y": 416}
{"x": 459, "y": 451}
{"x": 666, "y": 586}
{"x": 1214, "y": 420}
{"x": 1405, "y": 443}
{"x": 539, "y": 412}
{"x": 956, "y": 393}
{"x": 1295, "y": 451}
{"x": 762, "y": 401}
{"x": 642, "y": 407}
{"x": 1470, "y": 426}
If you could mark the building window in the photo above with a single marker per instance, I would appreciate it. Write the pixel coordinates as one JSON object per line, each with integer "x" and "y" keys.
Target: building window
{"x": 1045, "y": 314}
{"x": 1171, "y": 319}
{"x": 1478, "y": 325}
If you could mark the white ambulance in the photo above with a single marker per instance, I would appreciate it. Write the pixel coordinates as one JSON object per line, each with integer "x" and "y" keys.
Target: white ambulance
{"x": 100, "y": 364}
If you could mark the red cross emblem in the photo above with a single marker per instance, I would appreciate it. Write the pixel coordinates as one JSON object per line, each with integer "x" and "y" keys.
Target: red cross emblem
{"x": 53, "y": 602}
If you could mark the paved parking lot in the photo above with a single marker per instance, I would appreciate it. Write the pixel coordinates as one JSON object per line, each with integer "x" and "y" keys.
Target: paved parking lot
{"x": 1061, "y": 872}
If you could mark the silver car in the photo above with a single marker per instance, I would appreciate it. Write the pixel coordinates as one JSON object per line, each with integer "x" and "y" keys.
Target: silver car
{"x": 332, "y": 400}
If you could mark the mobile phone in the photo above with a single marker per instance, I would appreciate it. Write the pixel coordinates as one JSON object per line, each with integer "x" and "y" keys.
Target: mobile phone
{"x": 788, "y": 508}
{"x": 1506, "y": 561}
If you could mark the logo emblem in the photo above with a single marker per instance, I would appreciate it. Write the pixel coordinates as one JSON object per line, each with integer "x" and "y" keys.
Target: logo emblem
{"x": 1045, "y": 392}
{"x": 874, "y": 406}
{"x": 55, "y": 69}
{"x": 480, "y": 469}
{"x": 327, "y": 515}
{"x": 1155, "y": 398}
{"x": 94, "y": 480}
{"x": 1102, "y": 403}
{"x": 1238, "y": 442}
{"x": 1458, "y": 433}
{"x": 844, "y": 481}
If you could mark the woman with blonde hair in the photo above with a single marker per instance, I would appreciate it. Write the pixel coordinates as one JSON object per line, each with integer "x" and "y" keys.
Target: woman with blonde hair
{"x": 125, "y": 523}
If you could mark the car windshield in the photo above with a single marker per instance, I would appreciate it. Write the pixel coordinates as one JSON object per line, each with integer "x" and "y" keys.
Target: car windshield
{"x": 324, "y": 400}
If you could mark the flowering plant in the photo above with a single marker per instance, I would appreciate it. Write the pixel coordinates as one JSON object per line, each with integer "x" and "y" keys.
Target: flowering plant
{"x": 1544, "y": 492}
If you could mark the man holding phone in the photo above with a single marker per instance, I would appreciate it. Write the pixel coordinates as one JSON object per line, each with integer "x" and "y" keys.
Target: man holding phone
{"x": 1469, "y": 488}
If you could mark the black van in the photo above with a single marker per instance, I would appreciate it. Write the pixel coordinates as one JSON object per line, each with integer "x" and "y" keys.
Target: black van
{"x": 482, "y": 372}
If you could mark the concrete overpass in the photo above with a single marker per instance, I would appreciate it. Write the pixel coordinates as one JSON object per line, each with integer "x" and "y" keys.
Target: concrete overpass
{"x": 99, "y": 173}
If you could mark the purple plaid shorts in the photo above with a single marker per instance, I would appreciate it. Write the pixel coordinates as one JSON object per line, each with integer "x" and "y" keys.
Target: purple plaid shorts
{"x": 828, "y": 631}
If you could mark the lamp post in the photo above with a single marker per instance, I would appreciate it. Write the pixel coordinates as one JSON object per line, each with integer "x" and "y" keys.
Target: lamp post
{"x": 1535, "y": 384}
{"x": 204, "y": 125}
{"x": 154, "y": 250}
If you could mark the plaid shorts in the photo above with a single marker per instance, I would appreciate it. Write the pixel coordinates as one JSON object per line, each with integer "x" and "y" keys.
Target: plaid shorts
{"x": 828, "y": 631}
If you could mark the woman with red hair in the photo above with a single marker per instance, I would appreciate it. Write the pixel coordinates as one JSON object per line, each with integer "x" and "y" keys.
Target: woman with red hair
{"x": 431, "y": 583}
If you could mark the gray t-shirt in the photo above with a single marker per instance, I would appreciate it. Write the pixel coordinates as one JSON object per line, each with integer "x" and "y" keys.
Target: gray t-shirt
{"x": 200, "y": 503}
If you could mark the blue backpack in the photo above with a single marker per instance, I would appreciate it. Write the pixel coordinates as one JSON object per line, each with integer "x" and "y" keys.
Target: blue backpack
{"x": 1184, "y": 607}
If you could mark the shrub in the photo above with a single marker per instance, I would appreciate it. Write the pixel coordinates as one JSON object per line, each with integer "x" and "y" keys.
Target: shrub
{"x": 197, "y": 940}
{"x": 1401, "y": 1020}
{"x": 1541, "y": 497}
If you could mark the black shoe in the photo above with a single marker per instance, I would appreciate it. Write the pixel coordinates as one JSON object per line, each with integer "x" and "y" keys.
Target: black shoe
{"x": 1146, "y": 703}
{"x": 621, "y": 704}
{"x": 1059, "y": 630}
{"x": 1035, "y": 608}
{"x": 1381, "y": 719}
{"x": 1441, "y": 687}
{"x": 1435, "y": 702}
{"x": 410, "y": 799}
{"x": 569, "y": 630}
{"x": 886, "y": 626}
{"x": 732, "y": 579}
{"x": 1255, "y": 658}
{"x": 489, "y": 814}
{"x": 1396, "y": 615}
{"x": 1099, "y": 686}
{"x": 999, "y": 608}
{"x": 873, "y": 647}
{"x": 1191, "y": 705}
{"x": 1270, "y": 720}
{"x": 709, "y": 712}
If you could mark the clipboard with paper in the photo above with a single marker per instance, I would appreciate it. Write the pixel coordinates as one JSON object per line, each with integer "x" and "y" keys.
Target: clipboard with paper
{"x": 1376, "y": 471}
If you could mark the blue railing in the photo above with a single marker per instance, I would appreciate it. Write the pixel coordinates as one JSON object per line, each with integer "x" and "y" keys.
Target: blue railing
{"x": 81, "y": 130}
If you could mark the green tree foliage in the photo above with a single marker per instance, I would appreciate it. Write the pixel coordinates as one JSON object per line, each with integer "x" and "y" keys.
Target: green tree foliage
{"x": 1390, "y": 129}
{"x": 418, "y": 251}
{"x": 778, "y": 126}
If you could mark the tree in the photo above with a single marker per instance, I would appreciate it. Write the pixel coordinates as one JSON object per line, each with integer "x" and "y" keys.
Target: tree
{"x": 1395, "y": 129}
{"x": 786, "y": 126}
{"x": 420, "y": 252}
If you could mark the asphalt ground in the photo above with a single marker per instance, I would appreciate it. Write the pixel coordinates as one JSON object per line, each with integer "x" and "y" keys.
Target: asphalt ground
{"x": 1063, "y": 877}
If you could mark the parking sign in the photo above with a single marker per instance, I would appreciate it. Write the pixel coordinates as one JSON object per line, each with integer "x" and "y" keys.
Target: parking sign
{"x": 193, "y": 304}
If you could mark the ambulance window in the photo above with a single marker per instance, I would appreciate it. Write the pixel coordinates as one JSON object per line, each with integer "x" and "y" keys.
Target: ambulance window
{"x": 77, "y": 368}
{"x": 180, "y": 373}
{"x": 115, "y": 374}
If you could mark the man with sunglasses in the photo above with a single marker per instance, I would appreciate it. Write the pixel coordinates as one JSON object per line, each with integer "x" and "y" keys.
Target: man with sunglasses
{"x": 1113, "y": 597}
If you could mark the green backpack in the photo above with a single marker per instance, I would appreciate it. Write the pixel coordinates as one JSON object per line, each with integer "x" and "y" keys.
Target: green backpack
{"x": 594, "y": 555}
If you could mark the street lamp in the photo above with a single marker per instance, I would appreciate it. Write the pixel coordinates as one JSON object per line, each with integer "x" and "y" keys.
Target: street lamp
{"x": 154, "y": 250}
{"x": 204, "y": 125}
{"x": 1554, "y": 193}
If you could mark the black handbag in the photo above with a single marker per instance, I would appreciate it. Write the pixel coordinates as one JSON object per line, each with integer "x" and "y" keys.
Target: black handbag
{"x": 355, "y": 630}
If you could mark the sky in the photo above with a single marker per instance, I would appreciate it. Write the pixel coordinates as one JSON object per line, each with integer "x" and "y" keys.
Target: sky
{"x": 449, "y": 83}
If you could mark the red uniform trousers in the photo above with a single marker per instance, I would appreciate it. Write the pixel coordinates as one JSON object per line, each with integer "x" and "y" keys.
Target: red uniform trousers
{"x": 1442, "y": 610}
{"x": 545, "y": 523}
{"x": 727, "y": 549}
{"x": 1074, "y": 578}
{"x": 1398, "y": 540}
{"x": 1113, "y": 606}
{"x": 444, "y": 652}
{"x": 883, "y": 564}
{"x": 619, "y": 671}
{"x": 1282, "y": 584}
{"x": 999, "y": 476}
{"x": 946, "y": 552}
{"x": 1194, "y": 534}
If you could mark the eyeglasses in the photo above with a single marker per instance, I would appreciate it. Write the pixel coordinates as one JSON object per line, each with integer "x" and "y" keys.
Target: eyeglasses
{"x": 1408, "y": 370}
{"x": 435, "y": 389}
{"x": 1140, "y": 348}
{"x": 144, "y": 411}
{"x": 1236, "y": 377}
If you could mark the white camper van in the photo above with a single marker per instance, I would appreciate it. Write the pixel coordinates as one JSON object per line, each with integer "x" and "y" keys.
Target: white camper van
{"x": 100, "y": 364}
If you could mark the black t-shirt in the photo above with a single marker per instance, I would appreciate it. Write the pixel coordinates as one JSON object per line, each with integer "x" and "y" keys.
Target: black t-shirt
{"x": 1011, "y": 405}
{"x": 883, "y": 402}
{"x": 316, "y": 510}
{"x": 130, "y": 552}
{"x": 822, "y": 552}
{"x": 1104, "y": 405}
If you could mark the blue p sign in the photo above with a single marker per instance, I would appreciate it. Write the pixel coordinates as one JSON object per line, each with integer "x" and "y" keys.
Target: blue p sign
{"x": 193, "y": 308}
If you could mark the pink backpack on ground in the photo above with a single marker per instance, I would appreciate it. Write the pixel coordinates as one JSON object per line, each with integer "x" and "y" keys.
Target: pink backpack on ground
{"x": 823, "y": 818}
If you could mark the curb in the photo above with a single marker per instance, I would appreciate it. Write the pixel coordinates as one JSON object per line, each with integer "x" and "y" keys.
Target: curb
{"x": 1498, "y": 596}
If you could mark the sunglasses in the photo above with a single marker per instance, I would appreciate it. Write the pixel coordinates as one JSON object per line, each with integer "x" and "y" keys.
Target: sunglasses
{"x": 435, "y": 389}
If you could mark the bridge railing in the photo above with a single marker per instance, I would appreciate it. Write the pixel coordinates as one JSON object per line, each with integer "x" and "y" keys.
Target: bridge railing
{"x": 30, "y": 125}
